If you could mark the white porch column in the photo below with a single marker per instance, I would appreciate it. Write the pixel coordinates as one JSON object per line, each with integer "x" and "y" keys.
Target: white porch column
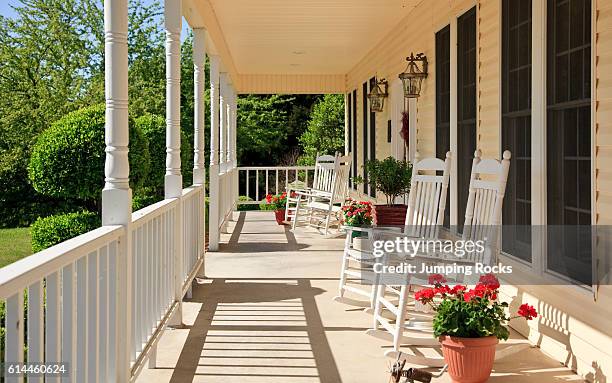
{"x": 235, "y": 124}
{"x": 213, "y": 206}
{"x": 199, "y": 58}
{"x": 199, "y": 169}
{"x": 223, "y": 99}
{"x": 116, "y": 195}
{"x": 173, "y": 22}
{"x": 230, "y": 125}
{"x": 173, "y": 185}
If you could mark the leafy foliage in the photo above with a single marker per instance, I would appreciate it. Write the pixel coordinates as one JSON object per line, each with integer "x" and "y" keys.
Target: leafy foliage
{"x": 50, "y": 231}
{"x": 261, "y": 126}
{"x": 68, "y": 158}
{"x": 153, "y": 127}
{"x": 325, "y": 132}
{"x": 52, "y": 64}
{"x": 392, "y": 177}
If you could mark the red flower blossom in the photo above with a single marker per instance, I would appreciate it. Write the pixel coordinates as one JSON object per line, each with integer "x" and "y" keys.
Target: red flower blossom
{"x": 442, "y": 290}
{"x": 527, "y": 311}
{"x": 490, "y": 281}
{"x": 424, "y": 295}
{"x": 436, "y": 279}
{"x": 458, "y": 289}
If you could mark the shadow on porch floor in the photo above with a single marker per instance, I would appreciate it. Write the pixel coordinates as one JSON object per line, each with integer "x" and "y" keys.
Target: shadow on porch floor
{"x": 266, "y": 314}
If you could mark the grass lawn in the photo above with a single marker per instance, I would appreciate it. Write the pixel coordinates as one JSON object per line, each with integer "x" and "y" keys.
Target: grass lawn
{"x": 14, "y": 245}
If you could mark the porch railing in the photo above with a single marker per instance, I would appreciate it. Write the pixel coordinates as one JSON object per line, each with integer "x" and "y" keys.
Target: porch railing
{"x": 76, "y": 291}
{"x": 255, "y": 182}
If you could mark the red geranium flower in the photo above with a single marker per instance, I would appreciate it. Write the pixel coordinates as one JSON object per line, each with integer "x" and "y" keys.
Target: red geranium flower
{"x": 458, "y": 289}
{"x": 436, "y": 279}
{"x": 490, "y": 281}
{"x": 424, "y": 295}
{"x": 527, "y": 311}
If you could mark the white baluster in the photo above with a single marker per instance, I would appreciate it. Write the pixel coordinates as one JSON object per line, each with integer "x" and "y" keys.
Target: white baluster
{"x": 35, "y": 327}
{"x": 14, "y": 331}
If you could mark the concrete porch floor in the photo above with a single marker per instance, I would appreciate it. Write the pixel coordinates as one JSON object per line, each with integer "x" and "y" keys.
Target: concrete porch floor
{"x": 266, "y": 314}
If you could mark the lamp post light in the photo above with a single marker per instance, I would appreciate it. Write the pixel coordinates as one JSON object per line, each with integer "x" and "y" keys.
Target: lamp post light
{"x": 413, "y": 76}
{"x": 377, "y": 96}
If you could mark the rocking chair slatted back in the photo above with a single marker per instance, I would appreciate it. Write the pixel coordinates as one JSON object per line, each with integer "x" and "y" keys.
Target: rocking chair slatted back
{"x": 487, "y": 189}
{"x": 485, "y": 199}
{"x": 324, "y": 172}
{"x": 342, "y": 169}
{"x": 427, "y": 197}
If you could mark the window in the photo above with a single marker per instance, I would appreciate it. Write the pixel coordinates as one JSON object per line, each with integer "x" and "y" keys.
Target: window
{"x": 389, "y": 130}
{"x": 516, "y": 126}
{"x": 354, "y": 127}
{"x": 568, "y": 131}
{"x": 364, "y": 94}
{"x": 466, "y": 106}
{"x": 372, "y": 136}
{"x": 443, "y": 102}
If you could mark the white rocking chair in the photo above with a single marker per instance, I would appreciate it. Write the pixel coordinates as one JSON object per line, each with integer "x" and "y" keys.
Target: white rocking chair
{"x": 486, "y": 193}
{"x": 323, "y": 171}
{"x": 322, "y": 202}
{"x": 426, "y": 203}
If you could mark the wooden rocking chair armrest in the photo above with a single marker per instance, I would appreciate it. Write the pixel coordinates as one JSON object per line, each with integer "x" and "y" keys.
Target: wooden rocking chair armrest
{"x": 303, "y": 193}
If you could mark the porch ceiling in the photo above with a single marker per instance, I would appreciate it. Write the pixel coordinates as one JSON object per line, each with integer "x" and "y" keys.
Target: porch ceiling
{"x": 296, "y": 36}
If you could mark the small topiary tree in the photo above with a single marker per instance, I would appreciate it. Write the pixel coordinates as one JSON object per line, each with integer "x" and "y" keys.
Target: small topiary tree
{"x": 68, "y": 158}
{"x": 154, "y": 129}
{"x": 52, "y": 230}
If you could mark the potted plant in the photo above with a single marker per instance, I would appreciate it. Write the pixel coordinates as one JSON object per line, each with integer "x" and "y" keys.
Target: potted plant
{"x": 276, "y": 203}
{"x": 469, "y": 323}
{"x": 356, "y": 214}
{"x": 392, "y": 178}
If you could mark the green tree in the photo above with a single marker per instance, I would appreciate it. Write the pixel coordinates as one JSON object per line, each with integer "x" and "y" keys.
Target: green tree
{"x": 52, "y": 63}
{"x": 325, "y": 132}
{"x": 261, "y": 128}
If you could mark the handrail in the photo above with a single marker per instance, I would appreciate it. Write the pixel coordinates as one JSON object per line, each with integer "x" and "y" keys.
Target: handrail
{"x": 21, "y": 274}
{"x": 152, "y": 211}
{"x": 300, "y": 167}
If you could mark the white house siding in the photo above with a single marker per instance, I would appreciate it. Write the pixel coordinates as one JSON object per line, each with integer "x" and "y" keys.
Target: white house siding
{"x": 575, "y": 328}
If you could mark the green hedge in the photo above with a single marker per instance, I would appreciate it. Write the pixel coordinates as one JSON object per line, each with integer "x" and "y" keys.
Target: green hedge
{"x": 68, "y": 158}
{"x": 52, "y": 230}
{"x": 153, "y": 128}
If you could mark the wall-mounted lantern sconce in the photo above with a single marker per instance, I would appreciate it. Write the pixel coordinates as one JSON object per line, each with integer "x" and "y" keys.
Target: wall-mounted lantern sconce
{"x": 377, "y": 96}
{"x": 413, "y": 75}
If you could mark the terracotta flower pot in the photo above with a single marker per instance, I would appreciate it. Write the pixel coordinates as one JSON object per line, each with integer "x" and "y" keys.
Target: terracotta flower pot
{"x": 470, "y": 360}
{"x": 280, "y": 216}
{"x": 390, "y": 215}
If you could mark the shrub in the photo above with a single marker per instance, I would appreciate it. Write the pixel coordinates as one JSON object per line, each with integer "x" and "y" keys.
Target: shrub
{"x": 145, "y": 197}
{"x": 392, "y": 177}
{"x": 68, "y": 158}
{"x": 54, "y": 229}
{"x": 153, "y": 128}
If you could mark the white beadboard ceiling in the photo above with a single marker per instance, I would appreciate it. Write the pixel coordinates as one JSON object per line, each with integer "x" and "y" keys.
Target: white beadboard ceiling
{"x": 304, "y": 36}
